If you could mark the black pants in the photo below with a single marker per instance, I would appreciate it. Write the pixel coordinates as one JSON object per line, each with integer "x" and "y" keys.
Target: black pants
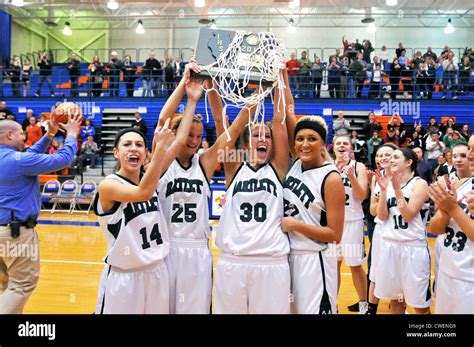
{"x": 334, "y": 84}
{"x": 394, "y": 87}
{"x": 317, "y": 83}
{"x": 74, "y": 86}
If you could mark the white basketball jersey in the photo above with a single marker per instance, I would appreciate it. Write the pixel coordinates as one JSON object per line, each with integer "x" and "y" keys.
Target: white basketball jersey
{"x": 135, "y": 232}
{"x": 251, "y": 220}
{"x": 184, "y": 197}
{"x": 457, "y": 251}
{"x": 304, "y": 200}
{"x": 395, "y": 228}
{"x": 353, "y": 210}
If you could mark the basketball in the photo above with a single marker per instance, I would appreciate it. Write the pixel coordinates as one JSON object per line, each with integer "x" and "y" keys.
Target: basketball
{"x": 61, "y": 113}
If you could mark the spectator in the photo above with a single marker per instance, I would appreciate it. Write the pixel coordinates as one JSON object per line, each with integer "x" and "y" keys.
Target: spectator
{"x": 43, "y": 124}
{"x": 4, "y": 111}
{"x": 344, "y": 73}
{"x": 169, "y": 75}
{"x": 151, "y": 76}
{"x": 424, "y": 168}
{"x": 434, "y": 148}
{"x": 317, "y": 73}
{"x": 345, "y": 44}
{"x": 33, "y": 132}
{"x": 14, "y": 72}
{"x": 89, "y": 151}
{"x": 465, "y": 76}
{"x": 73, "y": 66}
{"x": 373, "y": 145}
{"x": 98, "y": 72}
{"x": 341, "y": 126}
{"x": 129, "y": 75}
{"x": 334, "y": 77}
{"x": 452, "y": 138}
{"x": 440, "y": 162}
{"x": 431, "y": 67}
{"x": 430, "y": 54}
{"x": 422, "y": 80}
{"x": 399, "y": 50}
{"x": 432, "y": 123}
{"x": 357, "y": 145}
{"x": 292, "y": 67}
{"x": 417, "y": 60}
{"x": 396, "y": 123}
{"x": 359, "y": 70}
{"x": 450, "y": 78}
{"x": 377, "y": 74}
{"x": 178, "y": 67}
{"x": 139, "y": 123}
{"x": 26, "y": 121}
{"x": 392, "y": 137}
{"x": 465, "y": 132}
{"x": 26, "y": 76}
{"x": 204, "y": 146}
{"x": 450, "y": 123}
{"x": 56, "y": 146}
{"x": 371, "y": 125}
{"x": 45, "y": 72}
{"x": 367, "y": 49}
{"x": 304, "y": 75}
{"x": 87, "y": 130}
{"x": 115, "y": 66}
{"x": 416, "y": 140}
{"x": 395, "y": 73}
{"x": 383, "y": 54}
{"x": 445, "y": 52}
{"x": 448, "y": 167}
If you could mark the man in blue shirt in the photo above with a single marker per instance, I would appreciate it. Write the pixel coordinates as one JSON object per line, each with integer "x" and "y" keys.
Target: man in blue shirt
{"x": 20, "y": 200}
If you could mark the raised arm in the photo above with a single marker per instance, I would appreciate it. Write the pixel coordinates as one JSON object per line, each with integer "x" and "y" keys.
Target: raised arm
{"x": 111, "y": 191}
{"x": 383, "y": 182}
{"x": 280, "y": 136}
{"x": 290, "y": 114}
{"x": 359, "y": 184}
{"x": 215, "y": 102}
{"x": 209, "y": 158}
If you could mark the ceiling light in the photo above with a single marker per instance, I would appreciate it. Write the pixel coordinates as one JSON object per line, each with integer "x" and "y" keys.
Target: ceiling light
{"x": 449, "y": 29}
{"x": 140, "y": 30}
{"x": 67, "y": 29}
{"x": 113, "y": 5}
{"x": 391, "y": 2}
{"x": 199, "y": 3}
{"x": 294, "y": 4}
{"x": 18, "y": 3}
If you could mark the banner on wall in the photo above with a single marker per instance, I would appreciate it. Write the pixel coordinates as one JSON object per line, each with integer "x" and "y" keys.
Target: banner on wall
{"x": 5, "y": 37}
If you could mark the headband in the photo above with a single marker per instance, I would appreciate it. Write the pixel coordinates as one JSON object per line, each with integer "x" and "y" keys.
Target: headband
{"x": 309, "y": 124}
{"x": 129, "y": 130}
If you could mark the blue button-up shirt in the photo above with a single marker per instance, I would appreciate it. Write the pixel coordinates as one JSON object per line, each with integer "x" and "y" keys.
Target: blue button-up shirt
{"x": 19, "y": 181}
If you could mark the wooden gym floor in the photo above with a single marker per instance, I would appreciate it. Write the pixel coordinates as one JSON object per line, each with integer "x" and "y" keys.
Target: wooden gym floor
{"x": 72, "y": 249}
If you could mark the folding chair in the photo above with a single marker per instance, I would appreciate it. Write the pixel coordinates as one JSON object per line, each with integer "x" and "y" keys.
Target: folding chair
{"x": 50, "y": 190}
{"x": 66, "y": 195}
{"x": 86, "y": 195}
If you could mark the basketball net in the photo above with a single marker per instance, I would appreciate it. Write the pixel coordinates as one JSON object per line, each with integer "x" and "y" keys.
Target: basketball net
{"x": 232, "y": 71}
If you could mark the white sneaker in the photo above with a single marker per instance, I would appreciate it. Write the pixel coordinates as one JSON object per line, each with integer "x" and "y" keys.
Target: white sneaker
{"x": 363, "y": 307}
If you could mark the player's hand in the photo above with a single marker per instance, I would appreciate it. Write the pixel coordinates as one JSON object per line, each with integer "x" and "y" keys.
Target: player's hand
{"x": 370, "y": 175}
{"x": 164, "y": 137}
{"x": 73, "y": 126}
{"x": 288, "y": 224}
{"x": 350, "y": 172}
{"x": 470, "y": 202}
{"x": 444, "y": 199}
{"x": 194, "y": 89}
{"x": 191, "y": 66}
{"x": 382, "y": 180}
{"x": 53, "y": 127}
{"x": 396, "y": 180}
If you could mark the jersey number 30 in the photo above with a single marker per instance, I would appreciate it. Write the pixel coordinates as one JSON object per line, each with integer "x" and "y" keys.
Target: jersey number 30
{"x": 258, "y": 212}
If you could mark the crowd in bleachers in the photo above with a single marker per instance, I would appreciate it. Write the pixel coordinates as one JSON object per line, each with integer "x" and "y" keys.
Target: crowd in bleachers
{"x": 358, "y": 70}
{"x": 433, "y": 141}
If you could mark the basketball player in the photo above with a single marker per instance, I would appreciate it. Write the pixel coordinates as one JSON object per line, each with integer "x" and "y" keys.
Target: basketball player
{"x": 135, "y": 279}
{"x": 455, "y": 281}
{"x": 184, "y": 192}
{"x": 382, "y": 160}
{"x": 460, "y": 153}
{"x": 314, "y": 218}
{"x": 351, "y": 247}
{"x": 403, "y": 209}
{"x": 253, "y": 274}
